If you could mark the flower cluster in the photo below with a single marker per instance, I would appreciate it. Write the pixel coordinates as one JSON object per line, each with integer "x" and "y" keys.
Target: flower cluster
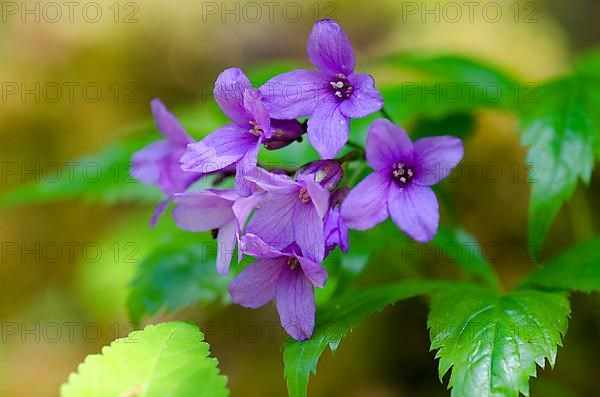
{"x": 291, "y": 221}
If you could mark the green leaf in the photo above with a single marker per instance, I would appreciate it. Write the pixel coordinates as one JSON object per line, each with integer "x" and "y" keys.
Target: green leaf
{"x": 168, "y": 359}
{"x": 561, "y": 137}
{"x": 103, "y": 177}
{"x": 334, "y": 320}
{"x": 175, "y": 276}
{"x": 577, "y": 269}
{"x": 589, "y": 63}
{"x": 493, "y": 342}
{"x": 260, "y": 74}
{"x": 452, "y": 67}
{"x": 448, "y": 84}
{"x": 462, "y": 248}
{"x": 460, "y": 125}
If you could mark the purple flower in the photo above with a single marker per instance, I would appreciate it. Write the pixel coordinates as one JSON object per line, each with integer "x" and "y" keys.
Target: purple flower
{"x": 327, "y": 173}
{"x": 400, "y": 185}
{"x": 158, "y": 163}
{"x": 292, "y": 212}
{"x": 220, "y": 211}
{"x": 285, "y": 276}
{"x": 336, "y": 231}
{"x": 237, "y": 143}
{"x": 331, "y": 96}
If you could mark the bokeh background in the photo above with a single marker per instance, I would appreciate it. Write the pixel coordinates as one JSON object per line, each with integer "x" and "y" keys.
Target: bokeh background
{"x": 53, "y": 312}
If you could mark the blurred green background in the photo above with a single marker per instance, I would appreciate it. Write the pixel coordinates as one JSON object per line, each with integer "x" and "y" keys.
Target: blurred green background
{"x": 58, "y": 306}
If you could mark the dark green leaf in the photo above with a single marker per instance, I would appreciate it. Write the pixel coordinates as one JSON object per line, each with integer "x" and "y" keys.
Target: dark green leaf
{"x": 168, "y": 359}
{"x": 462, "y": 248}
{"x": 561, "y": 138}
{"x": 334, "y": 320}
{"x": 103, "y": 177}
{"x": 175, "y": 276}
{"x": 448, "y": 84}
{"x": 577, "y": 269}
{"x": 460, "y": 125}
{"x": 493, "y": 342}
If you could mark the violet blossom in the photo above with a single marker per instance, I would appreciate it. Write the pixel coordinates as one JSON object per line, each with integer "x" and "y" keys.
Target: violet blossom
{"x": 336, "y": 231}
{"x": 239, "y": 142}
{"x": 331, "y": 95}
{"x": 158, "y": 163}
{"x": 400, "y": 187}
{"x": 222, "y": 212}
{"x": 292, "y": 212}
{"x": 285, "y": 276}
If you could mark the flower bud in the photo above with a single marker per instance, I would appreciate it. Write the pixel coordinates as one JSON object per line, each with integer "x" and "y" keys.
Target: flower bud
{"x": 284, "y": 133}
{"x": 328, "y": 173}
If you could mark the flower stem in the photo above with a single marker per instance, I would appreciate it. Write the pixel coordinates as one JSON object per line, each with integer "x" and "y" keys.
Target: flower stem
{"x": 385, "y": 114}
{"x": 355, "y": 145}
{"x": 358, "y": 154}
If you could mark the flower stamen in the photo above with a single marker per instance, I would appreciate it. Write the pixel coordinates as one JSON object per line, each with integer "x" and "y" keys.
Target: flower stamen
{"x": 304, "y": 196}
{"x": 402, "y": 174}
{"x": 293, "y": 262}
{"x": 256, "y": 130}
{"x": 341, "y": 88}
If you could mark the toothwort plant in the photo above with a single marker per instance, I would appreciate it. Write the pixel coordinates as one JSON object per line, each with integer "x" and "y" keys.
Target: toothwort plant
{"x": 290, "y": 223}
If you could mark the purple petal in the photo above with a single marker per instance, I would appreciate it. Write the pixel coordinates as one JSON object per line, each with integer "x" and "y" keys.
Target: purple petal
{"x": 435, "y": 158}
{"x": 365, "y": 99}
{"x": 387, "y": 144}
{"x": 366, "y": 204}
{"x": 328, "y": 129}
{"x": 202, "y": 211}
{"x": 257, "y": 110}
{"x": 168, "y": 124}
{"x": 327, "y": 173}
{"x": 257, "y": 284}
{"x": 275, "y": 183}
{"x": 273, "y": 222}
{"x": 253, "y": 245}
{"x": 318, "y": 195}
{"x": 145, "y": 166}
{"x": 313, "y": 271}
{"x": 308, "y": 231}
{"x": 414, "y": 209}
{"x": 336, "y": 231}
{"x": 229, "y": 94}
{"x": 172, "y": 178}
{"x": 226, "y": 240}
{"x": 294, "y": 94}
{"x": 246, "y": 165}
{"x": 218, "y": 150}
{"x": 295, "y": 303}
{"x": 329, "y": 49}
{"x": 159, "y": 211}
{"x": 244, "y": 206}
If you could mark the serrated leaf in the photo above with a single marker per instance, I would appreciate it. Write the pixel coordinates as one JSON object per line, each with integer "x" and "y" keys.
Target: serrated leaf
{"x": 492, "y": 341}
{"x": 168, "y": 359}
{"x": 561, "y": 137}
{"x": 334, "y": 320}
{"x": 175, "y": 276}
{"x": 577, "y": 269}
{"x": 464, "y": 250}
